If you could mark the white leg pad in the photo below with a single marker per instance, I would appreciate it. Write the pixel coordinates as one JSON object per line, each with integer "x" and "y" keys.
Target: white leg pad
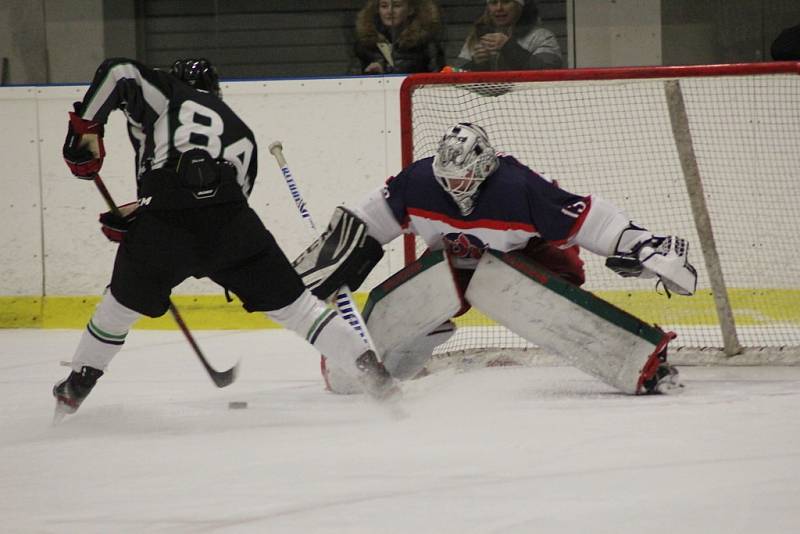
{"x": 399, "y": 314}
{"x": 406, "y": 362}
{"x": 589, "y": 333}
{"x": 412, "y": 303}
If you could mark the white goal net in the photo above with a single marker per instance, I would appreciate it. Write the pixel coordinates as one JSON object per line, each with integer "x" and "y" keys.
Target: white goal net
{"x": 709, "y": 153}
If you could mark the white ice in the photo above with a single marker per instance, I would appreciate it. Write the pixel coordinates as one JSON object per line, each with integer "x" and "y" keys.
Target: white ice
{"x": 496, "y": 450}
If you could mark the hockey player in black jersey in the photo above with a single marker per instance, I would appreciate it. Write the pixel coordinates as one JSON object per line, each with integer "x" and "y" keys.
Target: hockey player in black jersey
{"x": 196, "y": 162}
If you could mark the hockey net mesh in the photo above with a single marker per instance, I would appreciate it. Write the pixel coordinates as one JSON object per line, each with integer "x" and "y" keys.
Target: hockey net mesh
{"x": 612, "y": 138}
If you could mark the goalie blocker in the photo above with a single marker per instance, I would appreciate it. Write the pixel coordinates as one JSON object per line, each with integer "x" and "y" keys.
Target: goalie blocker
{"x": 342, "y": 256}
{"x": 539, "y": 306}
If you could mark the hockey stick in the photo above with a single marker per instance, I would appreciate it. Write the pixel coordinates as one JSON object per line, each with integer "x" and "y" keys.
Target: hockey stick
{"x": 220, "y": 378}
{"x": 344, "y": 300}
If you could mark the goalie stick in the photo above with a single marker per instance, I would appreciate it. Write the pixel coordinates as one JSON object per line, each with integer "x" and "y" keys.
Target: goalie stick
{"x": 220, "y": 378}
{"x": 343, "y": 300}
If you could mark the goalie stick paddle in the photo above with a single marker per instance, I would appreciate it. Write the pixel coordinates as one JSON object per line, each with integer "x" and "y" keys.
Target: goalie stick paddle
{"x": 344, "y": 300}
{"x": 220, "y": 378}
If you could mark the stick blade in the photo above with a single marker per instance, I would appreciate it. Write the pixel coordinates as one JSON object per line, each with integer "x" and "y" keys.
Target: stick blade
{"x": 225, "y": 378}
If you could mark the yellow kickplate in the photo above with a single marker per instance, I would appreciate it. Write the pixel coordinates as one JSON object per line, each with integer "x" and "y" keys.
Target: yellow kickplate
{"x": 751, "y": 307}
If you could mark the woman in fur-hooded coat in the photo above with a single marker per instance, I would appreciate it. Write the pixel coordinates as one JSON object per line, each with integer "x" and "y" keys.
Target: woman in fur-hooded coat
{"x": 412, "y": 45}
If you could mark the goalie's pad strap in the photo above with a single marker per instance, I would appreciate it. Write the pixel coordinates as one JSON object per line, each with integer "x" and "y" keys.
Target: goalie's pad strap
{"x": 412, "y": 302}
{"x": 591, "y": 334}
{"x": 342, "y": 256}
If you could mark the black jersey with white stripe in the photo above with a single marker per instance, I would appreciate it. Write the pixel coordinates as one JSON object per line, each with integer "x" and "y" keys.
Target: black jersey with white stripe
{"x": 167, "y": 117}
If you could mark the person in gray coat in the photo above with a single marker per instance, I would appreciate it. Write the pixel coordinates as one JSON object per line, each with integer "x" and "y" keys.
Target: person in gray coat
{"x": 507, "y": 37}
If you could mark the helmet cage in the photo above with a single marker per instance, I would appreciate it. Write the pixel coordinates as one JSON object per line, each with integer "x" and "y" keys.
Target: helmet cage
{"x": 463, "y": 161}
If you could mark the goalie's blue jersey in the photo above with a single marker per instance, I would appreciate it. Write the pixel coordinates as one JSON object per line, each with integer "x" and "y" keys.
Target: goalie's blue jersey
{"x": 513, "y": 205}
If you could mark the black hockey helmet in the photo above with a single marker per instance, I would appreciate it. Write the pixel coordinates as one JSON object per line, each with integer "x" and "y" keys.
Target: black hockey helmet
{"x": 198, "y": 73}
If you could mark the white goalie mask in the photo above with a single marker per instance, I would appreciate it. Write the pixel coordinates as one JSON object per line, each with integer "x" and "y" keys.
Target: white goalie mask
{"x": 463, "y": 161}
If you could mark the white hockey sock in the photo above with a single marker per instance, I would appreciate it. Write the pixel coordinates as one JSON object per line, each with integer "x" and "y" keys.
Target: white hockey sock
{"x": 104, "y": 335}
{"x": 324, "y": 328}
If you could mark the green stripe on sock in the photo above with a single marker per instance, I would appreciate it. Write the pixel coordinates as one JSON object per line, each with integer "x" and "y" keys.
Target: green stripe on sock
{"x": 321, "y": 320}
{"x": 105, "y": 335}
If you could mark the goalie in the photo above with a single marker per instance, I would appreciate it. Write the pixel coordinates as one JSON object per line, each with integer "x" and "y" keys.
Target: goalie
{"x": 505, "y": 240}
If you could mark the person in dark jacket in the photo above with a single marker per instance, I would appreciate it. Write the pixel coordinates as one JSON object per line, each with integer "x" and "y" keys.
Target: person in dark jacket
{"x": 399, "y": 36}
{"x": 507, "y": 37}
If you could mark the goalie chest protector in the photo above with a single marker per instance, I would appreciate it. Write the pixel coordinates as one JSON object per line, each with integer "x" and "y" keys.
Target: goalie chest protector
{"x": 589, "y": 333}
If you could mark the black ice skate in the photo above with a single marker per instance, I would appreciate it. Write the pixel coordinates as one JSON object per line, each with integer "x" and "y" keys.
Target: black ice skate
{"x": 377, "y": 381}
{"x": 72, "y": 391}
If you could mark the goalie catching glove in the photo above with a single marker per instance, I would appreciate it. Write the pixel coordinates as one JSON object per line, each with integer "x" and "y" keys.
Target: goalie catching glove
{"x": 342, "y": 256}
{"x": 83, "y": 148}
{"x": 641, "y": 254}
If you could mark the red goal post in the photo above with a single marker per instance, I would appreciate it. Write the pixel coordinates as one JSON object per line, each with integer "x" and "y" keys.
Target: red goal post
{"x": 710, "y": 153}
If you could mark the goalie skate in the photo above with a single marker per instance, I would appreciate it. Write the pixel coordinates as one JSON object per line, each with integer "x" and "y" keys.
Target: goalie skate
{"x": 665, "y": 381}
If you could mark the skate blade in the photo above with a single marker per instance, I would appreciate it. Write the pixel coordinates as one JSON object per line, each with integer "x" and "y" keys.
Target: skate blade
{"x": 58, "y": 415}
{"x": 61, "y": 411}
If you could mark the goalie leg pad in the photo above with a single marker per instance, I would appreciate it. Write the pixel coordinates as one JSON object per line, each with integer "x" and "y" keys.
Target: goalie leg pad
{"x": 407, "y": 361}
{"x": 403, "y": 363}
{"x": 589, "y": 333}
{"x": 412, "y": 302}
{"x": 416, "y": 299}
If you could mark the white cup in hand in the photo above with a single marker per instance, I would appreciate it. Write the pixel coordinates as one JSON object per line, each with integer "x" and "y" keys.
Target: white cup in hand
{"x": 374, "y": 68}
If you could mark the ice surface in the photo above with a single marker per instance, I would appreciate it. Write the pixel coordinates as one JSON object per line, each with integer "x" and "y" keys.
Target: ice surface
{"x": 498, "y": 450}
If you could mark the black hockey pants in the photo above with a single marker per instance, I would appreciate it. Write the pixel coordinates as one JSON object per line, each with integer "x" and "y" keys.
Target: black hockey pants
{"x": 227, "y": 243}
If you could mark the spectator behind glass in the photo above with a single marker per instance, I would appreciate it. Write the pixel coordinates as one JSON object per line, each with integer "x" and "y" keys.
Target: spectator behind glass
{"x": 787, "y": 46}
{"x": 399, "y": 36}
{"x": 506, "y": 37}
